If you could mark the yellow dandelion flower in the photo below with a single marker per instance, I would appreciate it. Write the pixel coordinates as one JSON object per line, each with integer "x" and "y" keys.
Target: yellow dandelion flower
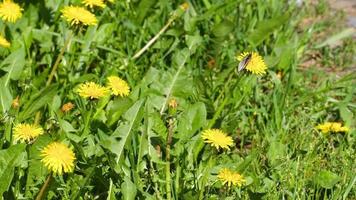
{"x": 93, "y": 3}
{"x": 332, "y": 127}
{"x": 217, "y": 138}
{"x": 10, "y": 11}
{"x": 92, "y": 90}
{"x": 231, "y": 178}
{"x": 26, "y": 132}
{"x": 256, "y": 64}
{"x": 58, "y": 158}
{"x": 118, "y": 86}
{"x": 4, "y": 42}
{"x": 184, "y": 6}
{"x": 76, "y": 15}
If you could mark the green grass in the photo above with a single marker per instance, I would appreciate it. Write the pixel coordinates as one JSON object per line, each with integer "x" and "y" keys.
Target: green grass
{"x": 121, "y": 143}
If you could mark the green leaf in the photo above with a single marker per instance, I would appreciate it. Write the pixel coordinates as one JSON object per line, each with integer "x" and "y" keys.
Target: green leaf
{"x": 66, "y": 126}
{"x": 128, "y": 189}
{"x": 37, "y": 101}
{"x": 143, "y": 8}
{"x": 176, "y": 84}
{"x": 247, "y": 161}
{"x": 326, "y": 179}
{"x": 5, "y": 96}
{"x": 116, "y": 108}
{"x": 337, "y": 37}
{"x": 223, "y": 29}
{"x": 35, "y": 167}
{"x": 152, "y": 123}
{"x": 276, "y": 152}
{"x": 345, "y": 113}
{"x": 123, "y": 132}
{"x": 9, "y": 159}
{"x": 194, "y": 41}
{"x": 191, "y": 121}
{"x": 111, "y": 193}
{"x": 13, "y": 65}
{"x": 266, "y": 28}
{"x": 104, "y": 32}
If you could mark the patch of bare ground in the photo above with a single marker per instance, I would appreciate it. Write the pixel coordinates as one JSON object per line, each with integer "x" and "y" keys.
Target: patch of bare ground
{"x": 342, "y": 14}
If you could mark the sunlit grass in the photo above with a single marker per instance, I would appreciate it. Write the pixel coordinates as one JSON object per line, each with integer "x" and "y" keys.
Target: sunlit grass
{"x": 145, "y": 100}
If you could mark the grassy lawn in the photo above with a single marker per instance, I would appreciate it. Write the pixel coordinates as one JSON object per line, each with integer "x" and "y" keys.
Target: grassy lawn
{"x": 143, "y": 99}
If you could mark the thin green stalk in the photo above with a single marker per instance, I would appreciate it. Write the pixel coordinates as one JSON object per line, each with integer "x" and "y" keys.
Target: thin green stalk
{"x": 42, "y": 192}
{"x": 58, "y": 60}
{"x": 177, "y": 183}
{"x": 53, "y": 71}
{"x": 205, "y": 176}
{"x": 152, "y": 174}
{"x": 175, "y": 15}
{"x": 28, "y": 178}
{"x": 168, "y": 157}
{"x": 87, "y": 121}
{"x": 149, "y": 43}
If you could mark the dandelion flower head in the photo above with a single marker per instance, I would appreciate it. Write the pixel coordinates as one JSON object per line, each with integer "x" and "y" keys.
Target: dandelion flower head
{"x": 26, "y": 132}
{"x": 335, "y": 127}
{"x": 93, "y": 3}
{"x": 118, "y": 86}
{"x": 10, "y": 11}
{"x": 231, "y": 178}
{"x": 76, "y": 15}
{"x": 92, "y": 90}
{"x": 256, "y": 65}
{"x": 217, "y": 138}
{"x": 58, "y": 158}
{"x": 4, "y": 42}
{"x": 184, "y": 6}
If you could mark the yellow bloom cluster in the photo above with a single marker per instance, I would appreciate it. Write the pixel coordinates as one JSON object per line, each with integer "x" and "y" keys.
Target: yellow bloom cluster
{"x": 26, "y": 132}
{"x": 76, "y": 15}
{"x": 332, "y": 127}
{"x": 217, "y": 138}
{"x": 92, "y": 90}
{"x": 4, "y": 42}
{"x": 58, "y": 158}
{"x": 93, "y": 3}
{"x": 10, "y": 11}
{"x": 231, "y": 178}
{"x": 256, "y": 64}
{"x": 116, "y": 85}
{"x": 184, "y": 6}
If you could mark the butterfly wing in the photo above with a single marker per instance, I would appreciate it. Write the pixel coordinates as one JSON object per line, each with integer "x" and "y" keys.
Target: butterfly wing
{"x": 244, "y": 62}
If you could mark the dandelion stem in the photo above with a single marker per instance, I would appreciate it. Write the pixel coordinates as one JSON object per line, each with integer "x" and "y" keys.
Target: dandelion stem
{"x": 58, "y": 60}
{"x": 53, "y": 71}
{"x": 149, "y": 43}
{"x": 168, "y": 157}
{"x": 44, "y": 187}
{"x": 175, "y": 15}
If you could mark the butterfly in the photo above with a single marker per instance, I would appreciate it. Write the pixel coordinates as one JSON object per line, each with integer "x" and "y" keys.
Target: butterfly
{"x": 244, "y": 62}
